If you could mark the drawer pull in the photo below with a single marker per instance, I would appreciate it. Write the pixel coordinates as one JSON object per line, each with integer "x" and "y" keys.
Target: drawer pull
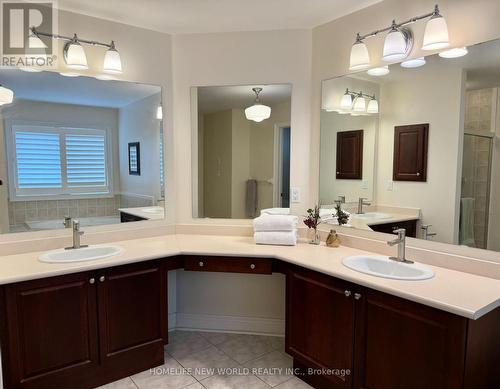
{"x": 347, "y": 293}
{"x": 92, "y": 281}
{"x": 252, "y": 266}
{"x": 357, "y": 296}
{"x": 201, "y": 264}
{"x": 102, "y": 278}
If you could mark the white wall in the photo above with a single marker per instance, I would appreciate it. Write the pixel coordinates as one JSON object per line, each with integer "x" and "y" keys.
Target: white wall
{"x": 434, "y": 94}
{"x": 138, "y": 123}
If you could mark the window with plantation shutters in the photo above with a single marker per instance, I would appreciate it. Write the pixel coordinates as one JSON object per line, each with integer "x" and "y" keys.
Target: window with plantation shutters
{"x": 56, "y": 162}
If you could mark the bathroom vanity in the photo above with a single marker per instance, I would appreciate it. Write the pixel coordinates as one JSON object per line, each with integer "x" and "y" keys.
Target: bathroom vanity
{"x": 82, "y": 326}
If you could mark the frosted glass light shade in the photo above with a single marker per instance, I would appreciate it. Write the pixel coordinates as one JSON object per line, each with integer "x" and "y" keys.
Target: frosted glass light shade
{"x": 359, "y": 104}
{"x": 395, "y": 46}
{"x": 372, "y": 106}
{"x": 75, "y": 57}
{"x": 159, "y": 113}
{"x": 360, "y": 59}
{"x": 436, "y": 34}
{"x": 454, "y": 53}
{"x": 112, "y": 62}
{"x": 377, "y": 72}
{"x": 6, "y": 95}
{"x": 258, "y": 112}
{"x": 346, "y": 102}
{"x": 413, "y": 63}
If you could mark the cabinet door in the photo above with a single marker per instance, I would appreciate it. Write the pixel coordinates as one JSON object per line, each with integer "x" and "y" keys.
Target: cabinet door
{"x": 350, "y": 155}
{"x": 401, "y": 344}
{"x": 410, "y": 152}
{"x": 132, "y": 306}
{"x": 50, "y": 330}
{"x": 320, "y": 326}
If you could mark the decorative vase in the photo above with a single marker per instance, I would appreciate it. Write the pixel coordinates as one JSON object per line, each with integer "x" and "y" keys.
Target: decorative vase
{"x": 315, "y": 239}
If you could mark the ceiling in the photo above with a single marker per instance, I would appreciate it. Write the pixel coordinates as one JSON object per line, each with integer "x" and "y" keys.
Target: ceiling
{"x": 53, "y": 88}
{"x": 222, "y": 98}
{"x": 204, "y": 16}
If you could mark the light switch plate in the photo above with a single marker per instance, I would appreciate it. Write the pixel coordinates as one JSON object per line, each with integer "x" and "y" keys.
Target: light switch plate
{"x": 295, "y": 195}
{"x": 364, "y": 184}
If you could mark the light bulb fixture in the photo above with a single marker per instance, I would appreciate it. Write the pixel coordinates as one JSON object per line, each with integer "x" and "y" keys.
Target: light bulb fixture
{"x": 112, "y": 60}
{"x": 413, "y": 63}
{"x": 372, "y": 105}
{"x": 159, "y": 112}
{"x": 346, "y": 102}
{"x": 74, "y": 53}
{"x": 360, "y": 58}
{"x": 359, "y": 104}
{"x": 436, "y": 32}
{"x": 257, "y": 112}
{"x": 380, "y": 71}
{"x": 6, "y": 95}
{"x": 457, "y": 52}
{"x": 398, "y": 43}
{"x": 399, "y": 40}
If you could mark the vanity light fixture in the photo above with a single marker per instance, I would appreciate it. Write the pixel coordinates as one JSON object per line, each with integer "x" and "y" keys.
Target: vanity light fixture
{"x": 380, "y": 71}
{"x": 355, "y": 103}
{"x": 74, "y": 53}
{"x": 257, "y": 112}
{"x": 372, "y": 106}
{"x": 346, "y": 102}
{"x": 399, "y": 40}
{"x": 359, "y": 104}
{"x": 6, "y": 95}
{"x": 413, "y": 63}
{"x": 454, "y": 53}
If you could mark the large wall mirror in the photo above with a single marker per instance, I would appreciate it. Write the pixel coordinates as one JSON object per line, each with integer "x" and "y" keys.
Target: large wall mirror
{"x": 241, "y": 150}
{"x": 64, "y": 152}
{"x": 417, "y": 146}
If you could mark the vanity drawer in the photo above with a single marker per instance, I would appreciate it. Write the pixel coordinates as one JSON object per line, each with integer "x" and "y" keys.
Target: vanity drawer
{"x": 228, "y": 264}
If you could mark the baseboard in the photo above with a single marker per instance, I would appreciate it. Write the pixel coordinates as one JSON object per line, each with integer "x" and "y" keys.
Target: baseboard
{"x": 220, "y": 323}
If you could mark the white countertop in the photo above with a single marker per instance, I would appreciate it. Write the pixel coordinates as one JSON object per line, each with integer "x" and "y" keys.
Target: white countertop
{"x": 464, "y": 294}
{"x": 148, "y": 213}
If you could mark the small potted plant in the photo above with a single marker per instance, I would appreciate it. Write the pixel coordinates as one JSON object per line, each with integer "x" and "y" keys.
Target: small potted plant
{"x": 312, "y": 221}
{"x": 342, "y": 216}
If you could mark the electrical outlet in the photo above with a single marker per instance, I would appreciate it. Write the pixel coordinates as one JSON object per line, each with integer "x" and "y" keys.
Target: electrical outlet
{"x": 295, "y": 197}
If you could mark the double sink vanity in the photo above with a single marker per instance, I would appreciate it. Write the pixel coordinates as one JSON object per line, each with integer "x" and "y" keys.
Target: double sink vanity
{"x": 99, "y": 313}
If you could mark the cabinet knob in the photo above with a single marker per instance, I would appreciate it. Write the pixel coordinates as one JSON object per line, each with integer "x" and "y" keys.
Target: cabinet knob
{"x": 201, "y": 264}
{"x": 252, "y": 266}
{"x": 92, "y": 281}
{"x": 102, "y": 278}
{"x": 418, "y": 173}
{"x": 347, "y": 293}
{"x": 357, "y": 296}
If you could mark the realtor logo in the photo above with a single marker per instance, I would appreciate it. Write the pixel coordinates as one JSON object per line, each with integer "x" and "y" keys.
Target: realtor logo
{"x": 17, "y": 19}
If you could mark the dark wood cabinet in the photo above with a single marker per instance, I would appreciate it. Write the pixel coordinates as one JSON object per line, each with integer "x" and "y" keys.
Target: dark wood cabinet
{"x": 349, "y": 155}
{"x": 409, "y": 225}
{"x": 320, "y": 327}
{"x": 85, "y": 329}
{"x": 410, "y": 152}
{"x": 228, "y": 264}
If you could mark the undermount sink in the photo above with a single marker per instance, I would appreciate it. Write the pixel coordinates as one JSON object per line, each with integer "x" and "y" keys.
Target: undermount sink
{"x": 382, "y": 266}
{"x": 153, "y": 210}
{"x": 372, "y": 215}
{"x": 82, "y": 254}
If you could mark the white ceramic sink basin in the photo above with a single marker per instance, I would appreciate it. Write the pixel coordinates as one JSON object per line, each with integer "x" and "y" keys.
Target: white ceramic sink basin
{"x": 372, "y": 215}
{"x": 82, "y": 254}
{"x": 153, "y": 210}
{"x": 382, "y": 266}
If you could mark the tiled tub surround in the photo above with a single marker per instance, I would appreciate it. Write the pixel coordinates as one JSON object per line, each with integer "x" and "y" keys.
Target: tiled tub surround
{"x": 21, "y": 212}
{"x": 215, "y": 360}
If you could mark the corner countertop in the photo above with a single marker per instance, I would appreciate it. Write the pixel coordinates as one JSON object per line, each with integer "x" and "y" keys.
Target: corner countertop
{"x": 148, "y": 213}
{"x": 463, "y": 294}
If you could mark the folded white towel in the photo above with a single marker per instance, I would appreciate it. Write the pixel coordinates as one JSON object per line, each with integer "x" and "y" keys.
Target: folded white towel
{"x": 275, "y": 223}
{"x": 280, "y": 238}
{"x": 275, "y": 211}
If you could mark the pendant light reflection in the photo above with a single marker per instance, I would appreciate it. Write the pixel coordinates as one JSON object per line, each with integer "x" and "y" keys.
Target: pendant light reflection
{"x": 257, "y": 112}
{"x": 372, "y": 106}
{"x": 354, "y": 103}
{"x": 112, "y": 61}
{"x": 346, "y": 102}
{"x": 6, "y": 95}
{"x": 74, "y": 55}
{"x": 359, "y": 104}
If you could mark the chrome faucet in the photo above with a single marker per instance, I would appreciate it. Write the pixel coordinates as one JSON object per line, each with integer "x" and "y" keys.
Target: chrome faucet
{"x": 361, "y": 203}
{"x": 401, "y": 242}
{"x": 76, "y": 236}
{"x": 426, "y": 233}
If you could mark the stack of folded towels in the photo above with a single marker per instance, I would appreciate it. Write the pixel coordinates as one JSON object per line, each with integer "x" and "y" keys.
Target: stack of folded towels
{"x": 276, "y": 230}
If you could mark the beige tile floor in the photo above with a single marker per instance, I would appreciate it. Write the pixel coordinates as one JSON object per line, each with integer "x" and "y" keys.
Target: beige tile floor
{"x": 214, "y": 360}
